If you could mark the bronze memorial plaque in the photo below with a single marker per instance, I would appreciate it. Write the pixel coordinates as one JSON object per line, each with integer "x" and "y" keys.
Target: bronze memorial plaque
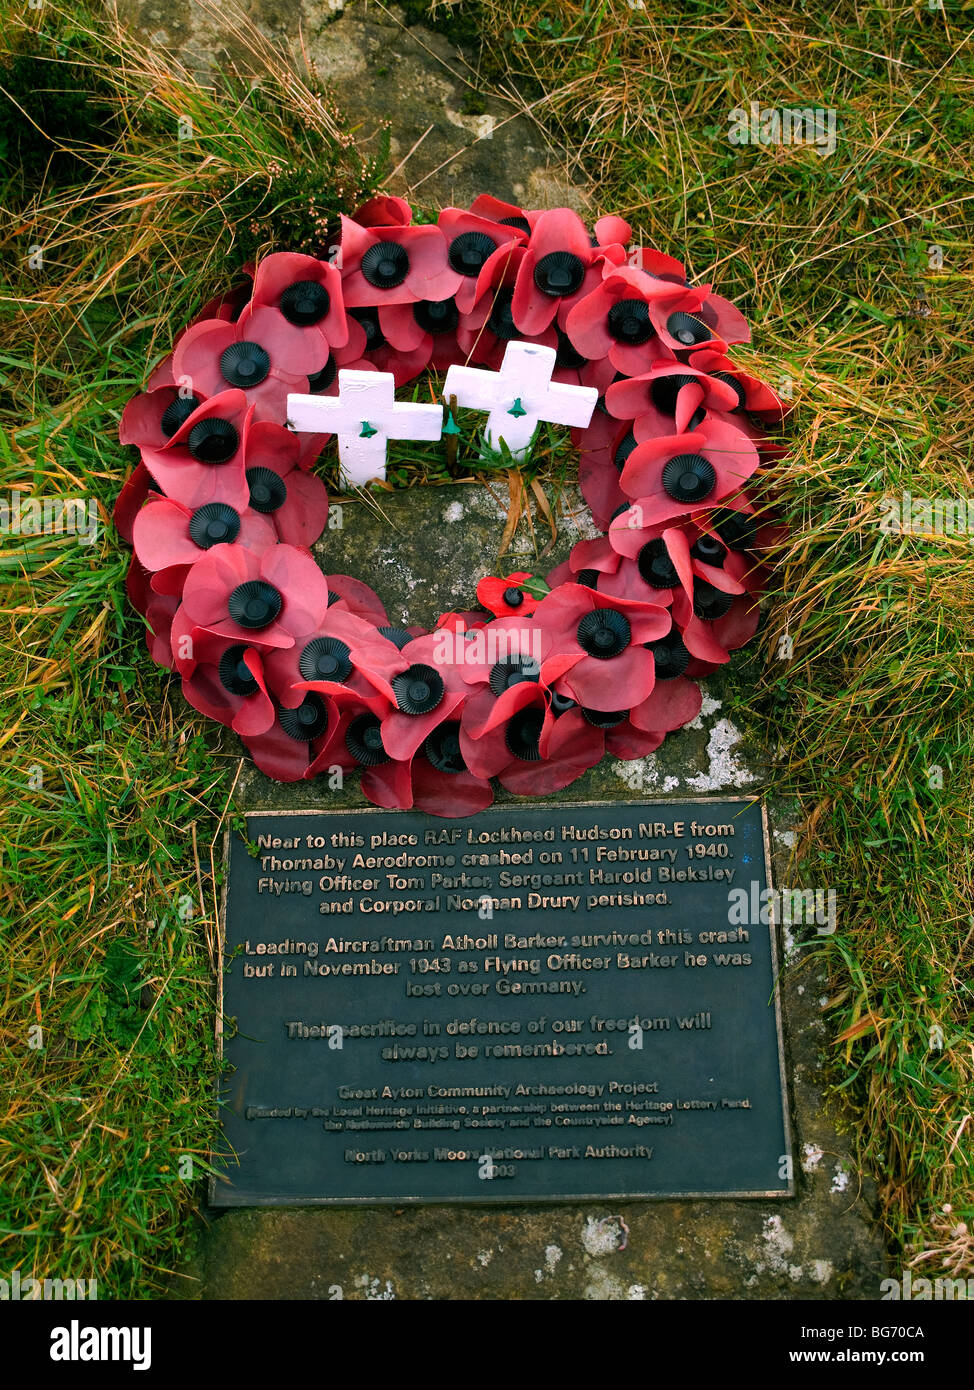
{"x": 538, "y": 1002}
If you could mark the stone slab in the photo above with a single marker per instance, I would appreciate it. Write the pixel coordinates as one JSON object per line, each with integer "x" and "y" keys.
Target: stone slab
{"x": 395, "y": 82}
{"x": 420, "y": 550}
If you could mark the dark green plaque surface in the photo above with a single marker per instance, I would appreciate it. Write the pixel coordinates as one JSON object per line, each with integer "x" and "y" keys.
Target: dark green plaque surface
{"x": 543, "y": 1002}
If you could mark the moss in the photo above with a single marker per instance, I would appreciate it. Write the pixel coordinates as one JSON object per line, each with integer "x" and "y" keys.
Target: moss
{"x": 460, "y": 23}
{"x": 46, "y": 111}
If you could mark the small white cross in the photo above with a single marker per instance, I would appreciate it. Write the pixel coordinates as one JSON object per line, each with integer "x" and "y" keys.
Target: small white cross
{"x": 364, "y": 415}
{"x": 519, "y": 395}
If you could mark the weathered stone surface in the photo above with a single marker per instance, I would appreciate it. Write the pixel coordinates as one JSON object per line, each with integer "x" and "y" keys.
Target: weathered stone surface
{"x": 422, "y": 550}
{"x": 421, "y": 554}
{"x": 386, "y": 75}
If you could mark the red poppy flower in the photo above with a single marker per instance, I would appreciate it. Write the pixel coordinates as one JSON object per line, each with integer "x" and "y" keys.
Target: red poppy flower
{"x": 713, "y": 639}
{"x": 434, "y": 779}
{"x": 502, "y": 597}
{"x": 590, "y": 563}
{"x": 594, "y": 646}
{"x": 460, "y": 622}
{"x": 674, "y": 550}
{"x": 725, "y": 321}
{"x": 675, "y": 699}
{"x": 303, "y": 736}
{"x": 293, "y": 501}
{"x": 402, "y": 327}
{"x": 637, "y": 319}
{"x": 215, "y": 355}
{"x": 724, "y": 318}
{"x": 680, "y": 474}
{"x": 159, "y": 611}
{"x": 424, "y": 694}
{"x": 169, "y": 538}
{"x": 559, "y": 268}
{"x": 394, "y": 265}
{"x": 537, "y": 749}
{"x": 612, "y": 230}
{"x": 493, "y": 209}
{"x": 268, "y": 600}
{"x": 658, "y": 264}
{"x": 344, "y": 651}
{"x": 668, "y": 394}
{"x": 678, "y": 559}
{"x": 621, "y": 319}
{"x": 231, "y": 303}
{"x": 502, "y": 665}
{"x": 768, "y": 450}
{"x": 627, "y": 743}
{"x": 384, "y": 210}
{"x": 484, "y": 332}
{"x": 354, "y": 741}
{"x": 626, "y": 738}
{"x": 354, "y": 713}
{"x": 752, "y": 395}
{"x": 153, "y": 417}
{"x": 695, "y": 545}
{"x": 424, "y": 332}
{"x": 370, "y": 350}
{"x": 475, "y": 245}
{"x": 298, "y": 312}
{"x": 204, "y": 460}
{"x": 221, "y": 678}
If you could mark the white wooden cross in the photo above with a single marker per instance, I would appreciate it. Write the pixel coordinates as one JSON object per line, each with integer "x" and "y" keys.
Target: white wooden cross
{"x": 519, "y": 395}
{"x": 364, "y": 415}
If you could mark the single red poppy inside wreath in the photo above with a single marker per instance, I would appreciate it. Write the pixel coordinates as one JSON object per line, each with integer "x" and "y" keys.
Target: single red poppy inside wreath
{"x": 544, "y": 674}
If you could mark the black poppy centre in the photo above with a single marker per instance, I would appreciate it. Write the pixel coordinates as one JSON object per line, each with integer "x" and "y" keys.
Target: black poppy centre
{"x": 523, "y": 734}
{"x": 268, "y": 490}
{"x": 363, "y": 739}
{"x": 235, "y": 675}
{"x": 305, "y": 303}
{"x": 213, "y": 441}
{"x": 442, "y": 748}
{"x": 255, "y": 603}
{"x": 513, "y": 670}
{"x": 325, "y": 659}
{"x": 244, "y": 364}
{"x": 470, "y": 251}
{"x": 177, "y": 413}
{"x": 558, "y": 274}
{"x": 385, "y": 265}
{"x": 308, "y": 721}
{"x": 629, "y": 322}
{"x": 689, "y": 478}
{"x": 604, "y": 633}
{"x": 418, "y": 689}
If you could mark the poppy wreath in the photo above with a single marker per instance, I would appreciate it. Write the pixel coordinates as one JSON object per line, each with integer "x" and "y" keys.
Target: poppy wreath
{"x": 544, "y": 676}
